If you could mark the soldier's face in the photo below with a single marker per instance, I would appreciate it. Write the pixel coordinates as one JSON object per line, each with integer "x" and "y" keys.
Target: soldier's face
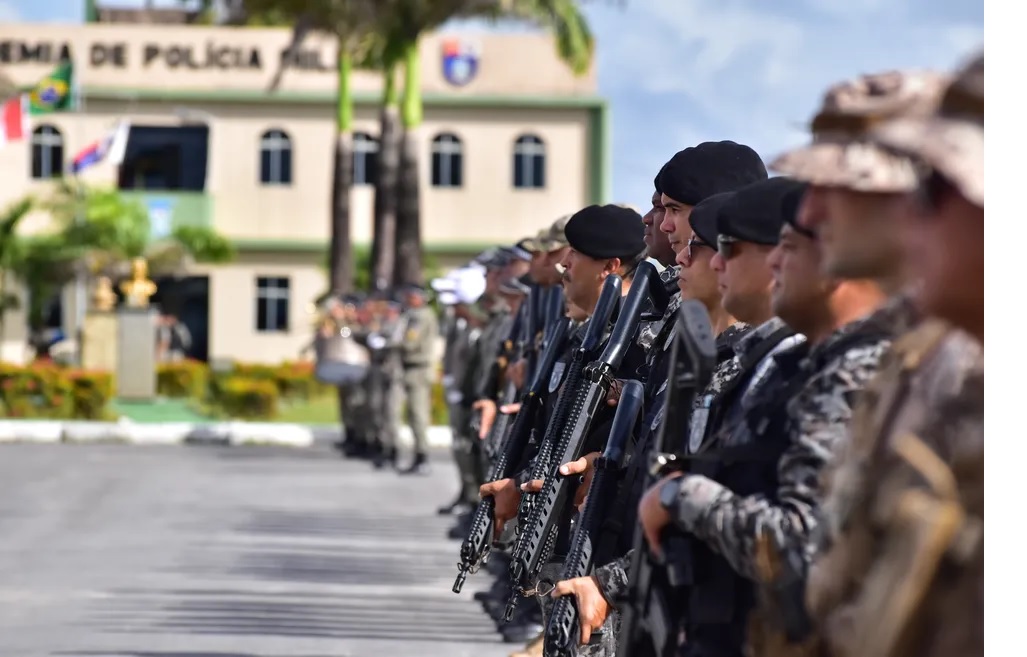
{"x": 493, "y": 276}
{"x": 799, "y": 291}
{"x": 696, "y": 278}
{"x": 537, "y": 267}
{"x": 856, "y": 230}
{"x": 744, "y": 281}
{"x": 675, "y": 222}
{"x": 582, "y": 278}
{"x": 657, "y": 243}
{"x": 944, "y": 240}
{"x": 552, "y": 259}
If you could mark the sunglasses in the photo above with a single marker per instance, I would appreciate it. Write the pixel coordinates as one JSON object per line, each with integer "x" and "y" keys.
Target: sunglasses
{"x": 725, "y": 246}
{"x": 694, "y": 243}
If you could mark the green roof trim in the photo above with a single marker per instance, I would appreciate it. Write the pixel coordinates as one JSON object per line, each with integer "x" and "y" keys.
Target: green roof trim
{"x": 328, "y": 97}
{"x": 317, "y": 246}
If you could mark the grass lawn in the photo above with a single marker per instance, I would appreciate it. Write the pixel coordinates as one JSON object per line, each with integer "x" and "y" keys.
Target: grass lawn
{"x": 317, "y": 410}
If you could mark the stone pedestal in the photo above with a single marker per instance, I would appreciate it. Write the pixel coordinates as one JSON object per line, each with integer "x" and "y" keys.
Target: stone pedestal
{"x": 100, "y": 341}
{"x": 136, "y": 373}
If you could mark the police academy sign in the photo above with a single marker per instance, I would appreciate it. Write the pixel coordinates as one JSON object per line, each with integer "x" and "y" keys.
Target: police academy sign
{"x": 459, "y": 63}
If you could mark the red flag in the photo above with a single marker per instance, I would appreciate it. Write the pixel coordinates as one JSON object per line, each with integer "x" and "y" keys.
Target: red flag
{"x": 13, "y": 120}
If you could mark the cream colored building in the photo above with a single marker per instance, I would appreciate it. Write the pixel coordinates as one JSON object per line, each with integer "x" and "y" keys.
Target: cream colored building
{"x": 269, "y": 154}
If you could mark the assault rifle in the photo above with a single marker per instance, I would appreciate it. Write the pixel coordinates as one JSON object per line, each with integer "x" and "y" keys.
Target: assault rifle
{"x": 563, "y": 629}
{"x": 650, "y": 620}
{"x": 540, "y": 528}
{"x": 593, "y": 339}
{"x": 475, "y": 549}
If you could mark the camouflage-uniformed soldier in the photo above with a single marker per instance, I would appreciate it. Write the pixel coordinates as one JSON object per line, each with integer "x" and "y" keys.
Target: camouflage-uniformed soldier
{"x": 902, "y": 565}
{"x": 694, "y": 174}
{"x": 459, "y": 291}
{"x": 420, "y": 333}
{"x": 855, "y": 204}
{"x": 383, "y": 339}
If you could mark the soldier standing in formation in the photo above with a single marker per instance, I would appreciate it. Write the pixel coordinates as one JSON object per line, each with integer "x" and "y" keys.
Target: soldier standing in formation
{"x": 827, "y": 496}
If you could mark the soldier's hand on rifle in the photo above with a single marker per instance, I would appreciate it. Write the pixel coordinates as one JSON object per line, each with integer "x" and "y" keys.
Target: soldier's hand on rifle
{"x": 508, "y": 409}
{"x": 515, "y": 373}
{"x": 613, "y": 396}
{"x": 507, "y": 498}
{"x": 533, "y": 486}
{"x": 585, "y": 466}
{"x": 652, "y": 515}
{"x": 592, "y": 606}
{"x": 487, "y": 407}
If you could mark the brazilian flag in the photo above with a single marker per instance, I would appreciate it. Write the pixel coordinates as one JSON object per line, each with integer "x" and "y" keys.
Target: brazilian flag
{"x": 54, "y": 92}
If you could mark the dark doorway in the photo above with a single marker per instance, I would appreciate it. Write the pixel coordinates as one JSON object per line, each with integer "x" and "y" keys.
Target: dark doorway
{"x": 188, "y": 299}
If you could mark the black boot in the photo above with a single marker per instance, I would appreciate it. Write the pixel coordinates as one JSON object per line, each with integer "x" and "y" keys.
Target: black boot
{"x": 419, "y": 466}
{"x": 385, "y": 458}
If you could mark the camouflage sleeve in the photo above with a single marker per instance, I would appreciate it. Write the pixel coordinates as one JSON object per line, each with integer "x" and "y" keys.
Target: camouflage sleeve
{"x": 613, "y": 578}
{"x": 819, "y": 417}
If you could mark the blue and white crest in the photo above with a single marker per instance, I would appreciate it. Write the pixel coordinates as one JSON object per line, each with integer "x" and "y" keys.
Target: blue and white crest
{"x": 459, "y": 61}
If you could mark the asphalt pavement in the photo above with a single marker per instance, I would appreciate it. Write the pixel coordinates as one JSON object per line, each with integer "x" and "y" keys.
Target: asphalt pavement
{"x": 129, "y": 551}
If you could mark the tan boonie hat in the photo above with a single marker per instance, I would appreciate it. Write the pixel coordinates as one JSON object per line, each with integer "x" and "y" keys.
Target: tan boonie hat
{"x": 842, "y": 155}
{"x": 950, "y": 141}
{"x": 535, "y": 244}
{"x": 555, "y": 236}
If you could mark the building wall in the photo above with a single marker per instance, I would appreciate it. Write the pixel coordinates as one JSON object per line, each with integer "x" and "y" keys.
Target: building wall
{"x": 233, "y": 303}
{"x": 165, "y": 75}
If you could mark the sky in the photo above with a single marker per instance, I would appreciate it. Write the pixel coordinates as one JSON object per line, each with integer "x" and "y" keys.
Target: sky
{"x": 680, "y": 72}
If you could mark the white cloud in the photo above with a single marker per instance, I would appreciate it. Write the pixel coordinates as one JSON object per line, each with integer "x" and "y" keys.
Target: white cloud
{"x": 679, "y": 72}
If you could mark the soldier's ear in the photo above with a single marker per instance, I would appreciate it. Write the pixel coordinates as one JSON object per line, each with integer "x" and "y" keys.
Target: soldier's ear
{"x": 612, "y": 265}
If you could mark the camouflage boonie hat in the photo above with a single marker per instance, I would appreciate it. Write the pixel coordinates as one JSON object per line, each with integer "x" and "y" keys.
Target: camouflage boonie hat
{"x": 952, "y": 140}
{"x": 842, "y": 155}
{"x": 554, "y": 237}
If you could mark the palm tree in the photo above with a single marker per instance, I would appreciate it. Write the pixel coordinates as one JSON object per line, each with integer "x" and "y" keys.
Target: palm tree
{"x": 408, "y": 21}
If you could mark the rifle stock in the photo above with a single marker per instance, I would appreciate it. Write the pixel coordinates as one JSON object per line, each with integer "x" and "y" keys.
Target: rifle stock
{"x": 563, "y": 628}
{"x": 650, "y": 620}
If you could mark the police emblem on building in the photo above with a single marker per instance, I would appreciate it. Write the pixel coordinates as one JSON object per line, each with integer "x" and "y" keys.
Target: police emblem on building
{"x": 459, "y": 61}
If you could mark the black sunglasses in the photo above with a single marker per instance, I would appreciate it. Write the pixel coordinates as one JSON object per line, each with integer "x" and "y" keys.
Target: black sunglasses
{"x": 725, "y": 246}
{"x": 695, "y": 242}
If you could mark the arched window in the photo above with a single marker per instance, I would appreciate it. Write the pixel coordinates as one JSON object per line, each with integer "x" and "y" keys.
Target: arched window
{"x": 365, "y": 159}
{"x": 529, "y": 162}
{"x": 447, "y": 161}
{"x": 275, "y": 158}
{"x": 47, "y": 152}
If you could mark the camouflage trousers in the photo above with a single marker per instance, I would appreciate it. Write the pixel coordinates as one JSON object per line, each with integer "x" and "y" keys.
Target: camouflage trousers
{"x": 601, "y": 645}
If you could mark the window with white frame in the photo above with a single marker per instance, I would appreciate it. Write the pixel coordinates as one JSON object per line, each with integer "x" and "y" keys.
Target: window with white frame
{"x": 447, "y": 161}
{"x": 272, "y": 304}
{"x": 47, "y": 152}
{"x": 275, "y": 158}
{"x": 529, "y": 163}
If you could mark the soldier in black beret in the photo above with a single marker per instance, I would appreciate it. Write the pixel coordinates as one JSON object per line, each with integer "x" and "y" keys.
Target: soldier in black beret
{"x": 748, "y": 228}
{"x": 604, "y": 240}
{"x": 698, "y": 172}
{"x": 657, "y": 243}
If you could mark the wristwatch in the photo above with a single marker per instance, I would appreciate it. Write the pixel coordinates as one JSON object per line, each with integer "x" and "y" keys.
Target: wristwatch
{"x": 670, "y": 492}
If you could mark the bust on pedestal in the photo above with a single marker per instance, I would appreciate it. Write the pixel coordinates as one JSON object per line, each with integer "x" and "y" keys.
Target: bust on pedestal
{"x": 136, "y": 374}
{"x": 100, "y": 330}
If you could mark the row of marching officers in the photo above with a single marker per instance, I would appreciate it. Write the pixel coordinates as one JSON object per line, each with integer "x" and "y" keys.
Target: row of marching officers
{"x": 772, "y": 445}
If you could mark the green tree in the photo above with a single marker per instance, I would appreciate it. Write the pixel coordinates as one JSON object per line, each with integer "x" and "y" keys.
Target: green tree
{"x": 97, "y": 230}
{"x": 10, "y": 252}
{"x": 405, "y": 23}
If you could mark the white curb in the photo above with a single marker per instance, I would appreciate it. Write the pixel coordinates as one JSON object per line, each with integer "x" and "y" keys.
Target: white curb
{"x": 178, "y": 433}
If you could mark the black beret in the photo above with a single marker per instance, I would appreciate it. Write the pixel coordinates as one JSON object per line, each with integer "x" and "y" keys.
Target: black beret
{"x": 790, "y": 208}
{"x": 606, "y": 231}
{"x": 656, "y": 180}
{"x": 703, "y": 218}
{"x": 712, "y": 167}
{"x": 756, "y": 213}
